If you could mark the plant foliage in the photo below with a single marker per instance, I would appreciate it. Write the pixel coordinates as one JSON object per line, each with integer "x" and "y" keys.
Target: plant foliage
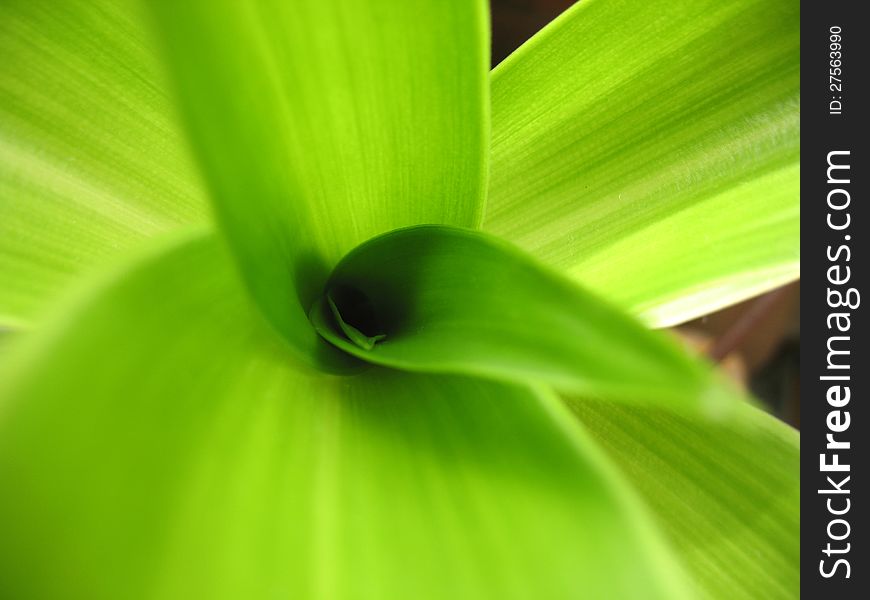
{"x": 257, "y": 345}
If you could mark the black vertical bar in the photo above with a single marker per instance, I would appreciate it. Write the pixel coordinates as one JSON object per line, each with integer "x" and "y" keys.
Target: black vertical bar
{"x": 834, "y": 68}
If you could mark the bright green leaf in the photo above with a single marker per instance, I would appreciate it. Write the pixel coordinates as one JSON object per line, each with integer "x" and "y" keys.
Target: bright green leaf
{"x": 727, "y": 493}
{"x": 651, "y": 148}
{"x": 91, "y": 162}
{"x": 6, "y": 339}
{"x": 443, "y": 299}
{"x": 321, "y": 123}
{"x": 167, "y": 445}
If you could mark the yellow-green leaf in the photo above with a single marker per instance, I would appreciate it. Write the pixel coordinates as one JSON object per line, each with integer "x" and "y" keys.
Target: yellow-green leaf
{"x": 158, "y": 440}
{"x": 727, "y": 493}
{"x": 321, "y": 123}
{"x": 651, "y": 150}
{"x": 91, "y": 159}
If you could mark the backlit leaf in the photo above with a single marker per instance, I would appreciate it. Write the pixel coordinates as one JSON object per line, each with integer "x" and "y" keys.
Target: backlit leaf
{"x": 651, "y": 150}
{"x": 91, "y": 161}
{"x": 727, "y": 493}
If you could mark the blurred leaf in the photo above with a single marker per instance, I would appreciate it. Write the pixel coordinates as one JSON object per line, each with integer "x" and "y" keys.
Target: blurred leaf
{"x": 651, "y": 150}
{"x": 728, "y": 494}
{"x": 458, "y": 301}
{"x": 322, "y": 123}
{"x": 6, "y": 339}
{"x": 91, "y": 162}
{"x": 166, "y": 445}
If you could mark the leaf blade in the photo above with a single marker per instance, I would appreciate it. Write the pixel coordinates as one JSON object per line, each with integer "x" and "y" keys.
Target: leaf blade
{"x": 676, "y": 123}
{"x": 726, "y": 493}
{"x": 229, "y": 470}
{"x": 458, "y": 301}
{"x": 321, "y": 124}
{"x": 92, "y": 162}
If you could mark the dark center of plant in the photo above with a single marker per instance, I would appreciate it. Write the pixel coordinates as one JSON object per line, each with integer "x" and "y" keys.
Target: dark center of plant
{"x": 355, "y": 316}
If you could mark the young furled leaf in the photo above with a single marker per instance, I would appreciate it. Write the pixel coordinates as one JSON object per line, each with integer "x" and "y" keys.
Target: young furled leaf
{"x": 447, "y": 300}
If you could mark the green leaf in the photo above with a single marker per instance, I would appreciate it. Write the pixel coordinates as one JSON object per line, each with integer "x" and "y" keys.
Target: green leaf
{"x": 727, "y": 493}
{"x": 6, "y": 338}
{"x": 167, "y": 445}
{"x": 442, "y": 299}
{"x": 321, "y": 123}
{"x": 651, "y": 150}
{"x": 91, "y": 162}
